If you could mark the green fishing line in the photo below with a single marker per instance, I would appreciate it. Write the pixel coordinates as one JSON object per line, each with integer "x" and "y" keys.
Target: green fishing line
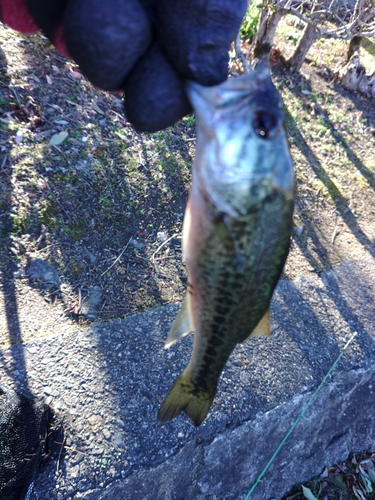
{"x": 298, "y": 419}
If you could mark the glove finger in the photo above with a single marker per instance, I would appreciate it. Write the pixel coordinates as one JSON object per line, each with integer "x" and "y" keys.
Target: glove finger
{"x": 154, "y": 93}
{"x": 14, "y": 14}
{"x": 196, "y": 35}
{"x": 106, "y": 38}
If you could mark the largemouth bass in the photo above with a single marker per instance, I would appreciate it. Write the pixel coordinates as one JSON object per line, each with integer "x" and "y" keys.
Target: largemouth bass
{"x": 236, "y": 230}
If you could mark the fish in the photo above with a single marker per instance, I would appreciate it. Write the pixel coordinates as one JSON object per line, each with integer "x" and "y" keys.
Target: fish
{"x": 236, "y": 230}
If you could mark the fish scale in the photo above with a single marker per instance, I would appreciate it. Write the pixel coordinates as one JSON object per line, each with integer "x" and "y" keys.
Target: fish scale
{"x": 229, "y": 319}
{"x": 236, "y": 231}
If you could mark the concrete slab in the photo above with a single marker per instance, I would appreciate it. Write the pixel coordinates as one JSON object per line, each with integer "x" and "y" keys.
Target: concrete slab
{"x": 110, "y": 379}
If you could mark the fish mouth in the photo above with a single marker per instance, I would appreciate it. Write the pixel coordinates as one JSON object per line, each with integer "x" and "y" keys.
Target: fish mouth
{"x": 251, "y": 96}
{"x": 255, "y": 85}
{"x": 234, "y": 88}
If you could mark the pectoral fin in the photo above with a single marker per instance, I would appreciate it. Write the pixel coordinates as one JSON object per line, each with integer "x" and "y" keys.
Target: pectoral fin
{"x": 182, "y": 325}
{"x": 263, "y": 327}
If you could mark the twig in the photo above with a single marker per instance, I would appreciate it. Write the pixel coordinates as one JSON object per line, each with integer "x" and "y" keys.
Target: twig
{"x": 142, "y": 258}
{"x": 240, "y": 55}
{"x": 163, "y": 258}
{"x": 161, "y": 246}
{"x": 334, "y": 234}
{"x": 5, "y": 159}
{"x": 58, "y": 460}
{"x": 118, "y": 258}
{"x": 101, "y": 309}
{"x": 56, "y": 200}
{"x": 16, "y": 96}
{"x": 74, "y": 449}
{"x": 347, "y": 30}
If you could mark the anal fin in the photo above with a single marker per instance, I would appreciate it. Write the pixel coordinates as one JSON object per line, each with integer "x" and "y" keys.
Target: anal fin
{"x": 263, "y": 327}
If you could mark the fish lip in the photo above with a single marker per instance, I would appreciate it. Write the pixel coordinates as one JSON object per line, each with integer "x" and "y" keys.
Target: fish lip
{"x": 242, "y": 86}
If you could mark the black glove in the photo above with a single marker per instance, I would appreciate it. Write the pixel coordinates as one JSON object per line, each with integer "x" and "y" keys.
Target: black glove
{"x": 146, "y": 47}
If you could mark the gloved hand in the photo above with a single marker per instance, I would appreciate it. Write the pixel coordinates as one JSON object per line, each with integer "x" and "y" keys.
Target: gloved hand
{"x": 145, "y": 47}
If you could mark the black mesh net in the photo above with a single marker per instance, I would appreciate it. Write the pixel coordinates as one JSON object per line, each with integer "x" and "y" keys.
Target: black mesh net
{"x": 29, "y": 434}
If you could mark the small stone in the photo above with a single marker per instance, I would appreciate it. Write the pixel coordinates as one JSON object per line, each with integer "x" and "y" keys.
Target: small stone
{"x": 106, "y": 434}
{"x": 47, "y": 390}
{"x": 33, "y": 350}
{"x": 91, "y": 303}
{"x": 118, "y": 440}
{"x": 298, "y": 230}
{"x": 95, "y": 420}
{"x": 74, "y": 472}
{"x": 97, "y": 452}
{"x": 77, "y": 458}
{"x": 205, "y": 487}
{"x": 90, "y": 255}
{"x": 162, "y": 236}
{"x": 120, "y": 423}
{"x": 21, "y": 273}
{"x": 137, "y": 244}
{"x": 39, "y": 269}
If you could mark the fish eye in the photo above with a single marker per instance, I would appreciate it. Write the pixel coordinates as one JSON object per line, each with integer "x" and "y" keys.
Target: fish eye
{"x": 264, "y": 123}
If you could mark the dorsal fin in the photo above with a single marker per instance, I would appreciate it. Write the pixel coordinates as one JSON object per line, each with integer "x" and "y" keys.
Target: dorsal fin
{"x": 182, "y": 325}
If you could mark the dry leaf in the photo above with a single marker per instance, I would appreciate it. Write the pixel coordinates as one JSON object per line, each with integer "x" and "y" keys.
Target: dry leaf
{"x": 96, "y": 108}
{"x": 57, "y": 139}
{"x": 307, "y": 493}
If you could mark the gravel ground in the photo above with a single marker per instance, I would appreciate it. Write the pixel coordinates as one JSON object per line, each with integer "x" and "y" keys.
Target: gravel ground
{"x": 108, "y": 380}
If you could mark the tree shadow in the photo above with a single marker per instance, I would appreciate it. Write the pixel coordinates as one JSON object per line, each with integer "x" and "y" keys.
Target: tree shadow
{"x": 32, "y": 419}
{"x": 94, "y": 202}
{"x": 360, "y": 103}
{"x": 322, "y": 173}
{"x": 110, "y": 211}
{"x": 336, "y": 287}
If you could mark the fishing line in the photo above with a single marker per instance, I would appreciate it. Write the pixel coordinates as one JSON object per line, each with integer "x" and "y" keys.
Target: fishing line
{"x": 298, "y": 418}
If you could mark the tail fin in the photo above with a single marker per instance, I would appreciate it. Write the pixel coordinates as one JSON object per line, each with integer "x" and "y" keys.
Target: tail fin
{"x": 185, "y": 396}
